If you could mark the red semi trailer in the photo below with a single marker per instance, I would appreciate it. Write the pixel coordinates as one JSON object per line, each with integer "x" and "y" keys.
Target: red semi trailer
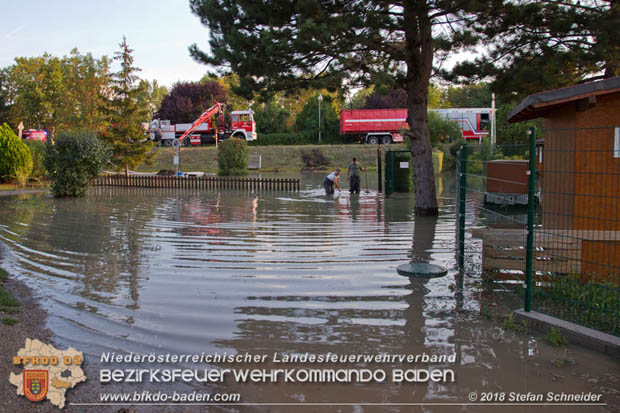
{"x": 374, "y": 125}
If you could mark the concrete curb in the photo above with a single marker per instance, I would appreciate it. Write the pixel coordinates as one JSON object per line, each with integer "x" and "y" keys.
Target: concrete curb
{"x": 574, "y": 333}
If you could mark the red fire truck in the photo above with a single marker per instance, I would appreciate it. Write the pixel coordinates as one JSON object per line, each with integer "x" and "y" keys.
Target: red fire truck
{"x": 204, "y": 130}
{"x": 34, "y": 135}
{"x": 384, "y": 125}
{"x": 475, "y": 123}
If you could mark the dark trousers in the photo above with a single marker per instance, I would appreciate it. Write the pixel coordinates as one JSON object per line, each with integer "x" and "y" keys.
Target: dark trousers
{"x": 354, "y": 184}
{"x": 329, "y": 186}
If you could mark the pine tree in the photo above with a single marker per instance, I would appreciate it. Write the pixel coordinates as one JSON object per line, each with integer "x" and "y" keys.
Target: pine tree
{"x": 535, "y": 45}
{"x": 125, "y": 115}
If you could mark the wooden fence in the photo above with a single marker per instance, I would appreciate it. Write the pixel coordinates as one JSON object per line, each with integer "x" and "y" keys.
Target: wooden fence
{"x": 198, "y": 182}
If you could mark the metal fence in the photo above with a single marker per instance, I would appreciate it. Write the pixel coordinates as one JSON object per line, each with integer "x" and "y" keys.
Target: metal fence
{"x": 544, "y": 219}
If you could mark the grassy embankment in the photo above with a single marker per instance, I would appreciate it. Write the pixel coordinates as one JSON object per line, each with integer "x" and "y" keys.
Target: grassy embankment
{"x": 11, "y": 187}
{"x": 8, "y": 304}
{"x": 274, "y": 158}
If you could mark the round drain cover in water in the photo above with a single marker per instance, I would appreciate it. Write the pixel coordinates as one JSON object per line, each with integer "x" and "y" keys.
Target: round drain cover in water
{"x": 421, "y": 270}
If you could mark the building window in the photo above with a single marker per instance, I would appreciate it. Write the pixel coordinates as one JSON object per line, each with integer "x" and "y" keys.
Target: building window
{"x": 617, "y": 142}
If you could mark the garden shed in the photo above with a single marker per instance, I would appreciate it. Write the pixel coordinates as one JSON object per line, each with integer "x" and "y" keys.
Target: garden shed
{"x": 581, "y": 163}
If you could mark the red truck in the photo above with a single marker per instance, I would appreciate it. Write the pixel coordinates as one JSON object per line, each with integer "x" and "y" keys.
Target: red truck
{"x": 34, "y": 135}
{"x": 203, "y": 130}
{"x": 384, "y": 125}
{"x": 374, "y": 125}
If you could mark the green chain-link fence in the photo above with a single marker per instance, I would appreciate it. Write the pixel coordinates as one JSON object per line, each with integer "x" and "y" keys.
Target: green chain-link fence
{"x": 545, "y": 220}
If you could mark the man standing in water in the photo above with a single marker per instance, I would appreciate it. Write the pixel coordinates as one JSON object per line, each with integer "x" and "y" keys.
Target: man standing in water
{"x": 353, "y": 172}
{"x": 330, "y": 181}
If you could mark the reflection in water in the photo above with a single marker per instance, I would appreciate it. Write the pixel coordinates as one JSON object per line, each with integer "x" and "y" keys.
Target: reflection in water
{"x": 187, "y": 271}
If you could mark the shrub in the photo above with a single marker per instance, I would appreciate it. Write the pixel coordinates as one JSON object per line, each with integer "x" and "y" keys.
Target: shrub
{"x": 556, "y": 339}
{"x": 15, "y": 160}
{"x": 443, "y": 130}
{"x": 9, "y": 321}
{"x": 75, "y": 159}
{"x": 232, "y": 157}
{"x": 37, "y": 153}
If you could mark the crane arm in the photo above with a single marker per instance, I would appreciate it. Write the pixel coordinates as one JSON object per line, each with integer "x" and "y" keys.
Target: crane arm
{"x": 208, "y": 114}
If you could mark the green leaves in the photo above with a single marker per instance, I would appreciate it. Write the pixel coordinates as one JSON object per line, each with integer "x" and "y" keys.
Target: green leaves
{"x": 14, "y": 155}
{"x": 232, "y": 157}
{"x": 74, "y": 159}
{"x": 54, "y": 93}
{"x": 533, "y": 46}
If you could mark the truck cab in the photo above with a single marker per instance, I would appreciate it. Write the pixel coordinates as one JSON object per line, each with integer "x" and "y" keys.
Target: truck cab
{"x": 242, "y": 124}
{"x": 34, "y": 135}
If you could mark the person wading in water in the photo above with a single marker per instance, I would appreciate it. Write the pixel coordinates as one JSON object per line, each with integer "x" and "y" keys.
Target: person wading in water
{"x": 330, "y": 181}
{"x": 353, "y": 172}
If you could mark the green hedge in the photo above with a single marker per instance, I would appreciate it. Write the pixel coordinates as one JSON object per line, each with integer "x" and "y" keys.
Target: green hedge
{"x": 299, "y": 138}
{"x": 15, "y": 160}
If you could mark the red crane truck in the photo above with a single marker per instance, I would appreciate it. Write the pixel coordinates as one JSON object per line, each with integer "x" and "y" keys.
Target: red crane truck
{"x": 203, "y": 129}
{"x": 384, "y": 126}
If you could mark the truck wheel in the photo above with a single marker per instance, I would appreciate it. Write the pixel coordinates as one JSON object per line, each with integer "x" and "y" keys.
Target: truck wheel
{"x": 185, "y": 141}
{"x": 386, "y": 139}
{"x": 167, "y": 142}
{"x": 239, "y": 136}
{"x": 373, "y": 140}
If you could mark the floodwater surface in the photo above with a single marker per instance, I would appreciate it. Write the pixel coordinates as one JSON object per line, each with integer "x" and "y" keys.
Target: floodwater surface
{"x": 196, "y": 271}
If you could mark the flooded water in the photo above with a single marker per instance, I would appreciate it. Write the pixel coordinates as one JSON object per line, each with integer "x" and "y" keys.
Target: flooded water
{"x": 188, "y": 271}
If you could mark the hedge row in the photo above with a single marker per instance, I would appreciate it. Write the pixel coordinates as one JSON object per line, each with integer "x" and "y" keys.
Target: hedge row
{"x": 299, "y": 138}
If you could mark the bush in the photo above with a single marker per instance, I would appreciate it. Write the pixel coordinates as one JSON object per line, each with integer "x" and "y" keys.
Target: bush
{"x": 232, "y": 157}
{"x": 75, "y": 159}
{"x": 15, "y": 160}
{"x": 443, "y": 130}
{"x": 37, "y": 153}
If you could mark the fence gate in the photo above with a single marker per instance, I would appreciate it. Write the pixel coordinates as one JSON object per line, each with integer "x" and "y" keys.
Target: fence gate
{"x": 398, "y": 175}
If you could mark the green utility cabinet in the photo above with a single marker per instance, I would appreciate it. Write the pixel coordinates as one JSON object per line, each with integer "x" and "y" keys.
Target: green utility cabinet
{"x": 398, "y": 175}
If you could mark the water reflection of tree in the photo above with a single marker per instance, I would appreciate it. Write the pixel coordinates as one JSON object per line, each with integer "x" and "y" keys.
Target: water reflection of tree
{"x": 104, "y": 236}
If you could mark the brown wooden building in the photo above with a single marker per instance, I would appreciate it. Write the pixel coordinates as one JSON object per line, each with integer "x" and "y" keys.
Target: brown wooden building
{"x": 581, "y": 164}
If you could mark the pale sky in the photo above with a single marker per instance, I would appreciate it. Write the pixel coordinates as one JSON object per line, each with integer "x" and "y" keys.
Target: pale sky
{"x": 159, "y": 31}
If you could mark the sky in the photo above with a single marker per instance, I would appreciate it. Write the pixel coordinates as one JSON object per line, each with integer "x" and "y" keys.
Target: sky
{"x": 159, "y": 31}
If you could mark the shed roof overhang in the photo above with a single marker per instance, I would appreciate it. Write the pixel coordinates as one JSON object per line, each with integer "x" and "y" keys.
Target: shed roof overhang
{"x": 540, "y": 104}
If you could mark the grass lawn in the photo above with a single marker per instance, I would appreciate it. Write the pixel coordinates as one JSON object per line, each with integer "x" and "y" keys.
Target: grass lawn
{"x": 30, "y": 185}
{"x": 274, "y": 158}
{"x": 8, "y": 304}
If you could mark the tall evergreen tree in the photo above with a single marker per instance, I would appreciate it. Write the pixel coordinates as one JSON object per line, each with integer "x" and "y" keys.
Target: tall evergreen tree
{"x": 125, "y": 115}
{"x": 286, "y": 44}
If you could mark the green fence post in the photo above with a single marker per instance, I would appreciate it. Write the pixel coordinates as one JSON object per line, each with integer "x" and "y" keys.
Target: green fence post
{"x": 529, "y": 257}
{"x": 462, "y": 194}
{"x": 379, "y": 177}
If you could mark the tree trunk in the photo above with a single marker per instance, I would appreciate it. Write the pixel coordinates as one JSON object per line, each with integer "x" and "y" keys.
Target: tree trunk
{"x": 127, "y": 170}
{"x": 419, "y": 65}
